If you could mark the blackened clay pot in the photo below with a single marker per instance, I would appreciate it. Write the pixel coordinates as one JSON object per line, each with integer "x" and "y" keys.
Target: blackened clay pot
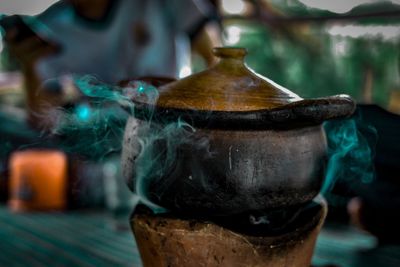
{"x": 246, "y": 143}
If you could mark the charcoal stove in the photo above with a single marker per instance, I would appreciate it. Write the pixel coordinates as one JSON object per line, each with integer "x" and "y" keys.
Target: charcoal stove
{"x": 175, "y": 240}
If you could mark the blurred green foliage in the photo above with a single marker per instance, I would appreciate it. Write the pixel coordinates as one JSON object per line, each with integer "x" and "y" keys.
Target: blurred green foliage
{"x": 307, "y": 59}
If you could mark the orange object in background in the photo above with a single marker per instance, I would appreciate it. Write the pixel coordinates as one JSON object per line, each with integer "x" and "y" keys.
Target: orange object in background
{"x": 38, "y": 180}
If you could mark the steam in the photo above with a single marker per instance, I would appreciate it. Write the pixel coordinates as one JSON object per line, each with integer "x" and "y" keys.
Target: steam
{"x": 97, "y": 127}
{"x": 93, "y": 128}
{"x": 350, "y": 155}
{"x": 157, "y": 154}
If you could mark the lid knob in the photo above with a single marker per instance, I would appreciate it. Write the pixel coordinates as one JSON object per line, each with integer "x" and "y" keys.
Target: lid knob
{"x": 230, "y": 52}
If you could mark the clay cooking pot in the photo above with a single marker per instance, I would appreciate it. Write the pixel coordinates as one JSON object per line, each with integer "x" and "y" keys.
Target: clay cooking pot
{"x": 253, "y": 145}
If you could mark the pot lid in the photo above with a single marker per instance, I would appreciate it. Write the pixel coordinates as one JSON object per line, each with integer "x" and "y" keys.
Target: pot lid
{"x": 229, "y": 94}
{"x": 228, "y": 86}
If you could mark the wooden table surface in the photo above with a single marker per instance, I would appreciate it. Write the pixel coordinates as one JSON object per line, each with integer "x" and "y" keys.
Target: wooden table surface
{"x": 83, "y": 238}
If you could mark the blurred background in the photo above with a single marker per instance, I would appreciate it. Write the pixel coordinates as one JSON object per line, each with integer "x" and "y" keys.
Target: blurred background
{"x": 63, "y": 198}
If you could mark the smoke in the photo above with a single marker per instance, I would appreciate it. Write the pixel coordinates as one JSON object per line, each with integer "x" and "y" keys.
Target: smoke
{"x": 95, "y": 128}
{"x": 350, "y": 154}
{"x": 157, "y": 153}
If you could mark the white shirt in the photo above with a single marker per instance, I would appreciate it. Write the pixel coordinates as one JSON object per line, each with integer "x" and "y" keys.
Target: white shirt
{"x": 108, "y": 49}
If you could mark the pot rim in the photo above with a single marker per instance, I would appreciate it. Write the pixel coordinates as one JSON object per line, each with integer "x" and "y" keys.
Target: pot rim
{"x": 302, "y": 113}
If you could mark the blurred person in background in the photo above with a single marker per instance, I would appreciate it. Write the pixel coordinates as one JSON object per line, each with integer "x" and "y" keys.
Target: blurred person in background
{"x": 111, "y": 40}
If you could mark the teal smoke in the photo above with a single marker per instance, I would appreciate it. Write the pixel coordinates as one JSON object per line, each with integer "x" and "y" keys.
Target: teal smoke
{"x": 159, "y": 145}
{"x": 350, "y": 154}
{"x": 93, "y": 129}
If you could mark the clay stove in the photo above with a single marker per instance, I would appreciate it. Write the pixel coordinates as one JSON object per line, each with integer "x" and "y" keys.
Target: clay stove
{"x": 170, "y": 240}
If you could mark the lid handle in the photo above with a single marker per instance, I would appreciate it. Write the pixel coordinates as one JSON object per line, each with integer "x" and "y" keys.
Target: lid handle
{"x": 230, "y": 52}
